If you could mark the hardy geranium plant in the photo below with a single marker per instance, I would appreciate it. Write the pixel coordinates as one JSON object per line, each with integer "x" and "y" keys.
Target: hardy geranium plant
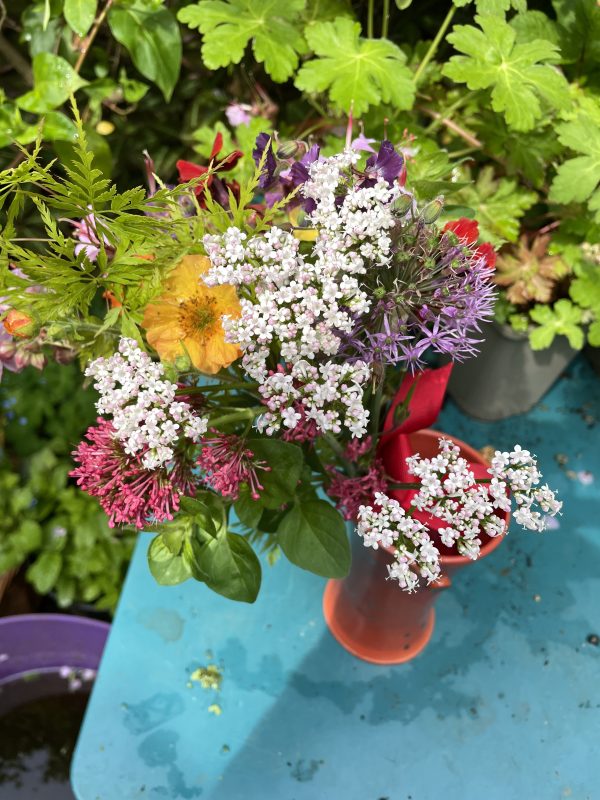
{"x": 251, "y": 345}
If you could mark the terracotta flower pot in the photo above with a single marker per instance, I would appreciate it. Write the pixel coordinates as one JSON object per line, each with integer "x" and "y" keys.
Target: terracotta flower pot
{"x": 372, "y": 617}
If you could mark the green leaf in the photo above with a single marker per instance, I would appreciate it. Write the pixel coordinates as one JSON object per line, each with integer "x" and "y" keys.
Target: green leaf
{"x": 563, "y": 319}
{"x": 285, "y": 462}
{"x": 80, "y": 14}
{"x": 532, "y": 25}
{"x": 519, "y": 75}
{"x": 228, "y": 565}
{"x": 594, "y": 334}
{"x": 167, "y": 568}
{"x": 44, "y": 572}
{"x": 499, "y": 204}
{"x": 152, "y": 39}
{"x": 585, "y": 288}
{"x": 313, "y": 536}
{"x": 356, "y": 72}
{"x": 248, "y": 510}
{"x": 54, "y": 81}
{"x": 577, "y": 178}
{"x": 228, "y": 26}
{"x": 579, "y": 33}
{"x": 58, "y": 127}
{"x": 499, "y": 6}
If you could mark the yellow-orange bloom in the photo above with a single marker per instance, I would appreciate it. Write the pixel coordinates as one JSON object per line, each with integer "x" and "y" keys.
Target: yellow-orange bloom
{"x": 186, "y": 318}
{"x": 19, "y": 324}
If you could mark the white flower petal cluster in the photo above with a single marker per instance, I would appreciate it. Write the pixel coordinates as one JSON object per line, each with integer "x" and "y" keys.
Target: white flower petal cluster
{"x": 448, "y": 491}
{"x": 143, "y": 406}
{"x": 299, "y": 305}
{"x": 388, "y": 525}
{"x": 330, "y": 394}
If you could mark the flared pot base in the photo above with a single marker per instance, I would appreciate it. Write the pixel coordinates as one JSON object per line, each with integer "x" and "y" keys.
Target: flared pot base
{"x": 376, "y": 652}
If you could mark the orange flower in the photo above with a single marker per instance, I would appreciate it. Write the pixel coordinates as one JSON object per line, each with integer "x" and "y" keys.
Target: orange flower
{"x": 186, "y": 318}
{"x": 18, "y": 324}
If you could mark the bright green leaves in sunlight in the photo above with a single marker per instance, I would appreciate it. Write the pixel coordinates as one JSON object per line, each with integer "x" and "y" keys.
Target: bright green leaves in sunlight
{"x": 80, "y": 14}
{"x": 313, "y": 536}
{"x": 564, "y": 319}
{"x": 54, "y": 81}
{"x": 357, "y": 73}
{"x": 197, "y": 544}
{"x": 229, "y": 26}
{"x": 518, "y": 75}
{"x": 152, "y": 38}
{"x": 578, "y": 178}
{"x": 285, "y": 461}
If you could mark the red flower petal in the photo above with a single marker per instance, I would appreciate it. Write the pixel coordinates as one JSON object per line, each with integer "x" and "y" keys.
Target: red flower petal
{"x": 217, "y": 145}
{"x": 467, "y": 230}
{"x": 486, "y": 251}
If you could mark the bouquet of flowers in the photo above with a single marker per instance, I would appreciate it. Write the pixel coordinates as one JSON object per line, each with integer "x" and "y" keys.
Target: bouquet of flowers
{"x": 247, "y": 344}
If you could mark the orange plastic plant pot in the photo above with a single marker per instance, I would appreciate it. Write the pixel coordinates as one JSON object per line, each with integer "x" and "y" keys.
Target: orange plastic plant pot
{"x": 372, "y": 617}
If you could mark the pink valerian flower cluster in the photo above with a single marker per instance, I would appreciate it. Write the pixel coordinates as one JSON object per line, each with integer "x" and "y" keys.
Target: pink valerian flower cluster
{"x": 227, "y": 463}
{"x": 448, "y": 491}
{"x": 350, "y": 494}
{"x": 129, "y": 493}
{"x": 147, "y": 418}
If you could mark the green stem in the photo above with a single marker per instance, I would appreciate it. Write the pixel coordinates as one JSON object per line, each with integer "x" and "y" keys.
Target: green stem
{"x": 375, "y": 412}
{"x": 339, "y": 451}
{"x": 370, "y": 12}
{"x": 446, "y": 114}
{"x": 435, "y": 44}
{"x": 386, "y": 19}
{"x": 238, "y": 416}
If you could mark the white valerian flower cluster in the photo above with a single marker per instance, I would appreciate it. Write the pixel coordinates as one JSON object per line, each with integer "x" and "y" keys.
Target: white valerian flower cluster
{"x": 414, "y": 552}
{"x": 145, "y": 413}
{"x": 330, "y": 394}
{"x": 299, "y": 306}
{"x": 448, "y": 491}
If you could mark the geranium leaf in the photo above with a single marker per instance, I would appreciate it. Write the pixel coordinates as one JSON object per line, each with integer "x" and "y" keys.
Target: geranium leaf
{"x": 577, "y": 178}
{"x": 518, "y": 75}
{"x": 313, "y": 536}
{"x": 228, "y": 26}
{"x": 152, "y": 39}
{"x": 356, "y": 72}
{"x": 564, "y": 319}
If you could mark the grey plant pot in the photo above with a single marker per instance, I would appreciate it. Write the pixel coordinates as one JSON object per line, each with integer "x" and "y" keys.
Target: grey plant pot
{"x": 593, "y": 356}
{"x": 507, "y": 377}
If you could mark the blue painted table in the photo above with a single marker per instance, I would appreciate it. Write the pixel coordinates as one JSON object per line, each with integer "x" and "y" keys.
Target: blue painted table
{"x": 504, "y": 704}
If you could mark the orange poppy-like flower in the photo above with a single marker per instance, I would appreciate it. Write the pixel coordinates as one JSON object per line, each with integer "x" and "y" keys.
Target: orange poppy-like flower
{"x": 186, "y": 318}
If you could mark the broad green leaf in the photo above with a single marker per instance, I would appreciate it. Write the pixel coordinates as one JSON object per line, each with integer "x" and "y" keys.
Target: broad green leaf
{"x": 44, "y": 572}
{"x": 563, "y": 319}
{"x": 228, "y": 565}
{"x": 356, "y": 72}
{"x": 577, "y": 178}
{"x": 499, "y": 6}
{"x": 58, "y": 127}
{"x": 228, "y": 26}
{"x": 285, "y": 467}
{"x": 532, "y": 25}
{"x": 594, "y": 333}
{"x": 518, "y": 75}
{"x": 152, "y": 39}
{"x": 248, "y": 510}
{"x": 325, "y": 10}
{"x": 80, "y": 14}
{"x": 54, "y": 81}
{"x": 167, "y": 569}
{"x": 313, "y": 536}
{"x": 578, "y": 23}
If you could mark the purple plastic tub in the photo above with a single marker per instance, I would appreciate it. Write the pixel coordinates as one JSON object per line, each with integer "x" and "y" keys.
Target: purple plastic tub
{"x": 48, "y": 643}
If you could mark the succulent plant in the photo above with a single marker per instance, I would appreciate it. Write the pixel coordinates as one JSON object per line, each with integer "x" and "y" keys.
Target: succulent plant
{"x": 529, "y": 272}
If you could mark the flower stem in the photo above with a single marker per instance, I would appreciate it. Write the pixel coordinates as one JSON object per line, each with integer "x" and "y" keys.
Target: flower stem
{"x": 370, "y": 12}
{"x": 435, "y": 44}
{"x": 238, "y": 416}
{"x": 87, "y": 42}
{"x": 386, "y": 19}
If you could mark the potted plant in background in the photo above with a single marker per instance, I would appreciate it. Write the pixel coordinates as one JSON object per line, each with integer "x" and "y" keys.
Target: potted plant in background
{"x": 291, "y": 336}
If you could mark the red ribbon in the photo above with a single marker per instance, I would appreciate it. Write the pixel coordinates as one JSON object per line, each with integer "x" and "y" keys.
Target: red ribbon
{"x": 428, "y": 390}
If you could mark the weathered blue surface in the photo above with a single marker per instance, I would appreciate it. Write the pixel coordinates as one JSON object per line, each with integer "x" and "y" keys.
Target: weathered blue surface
{"x": 503, "y": 705}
